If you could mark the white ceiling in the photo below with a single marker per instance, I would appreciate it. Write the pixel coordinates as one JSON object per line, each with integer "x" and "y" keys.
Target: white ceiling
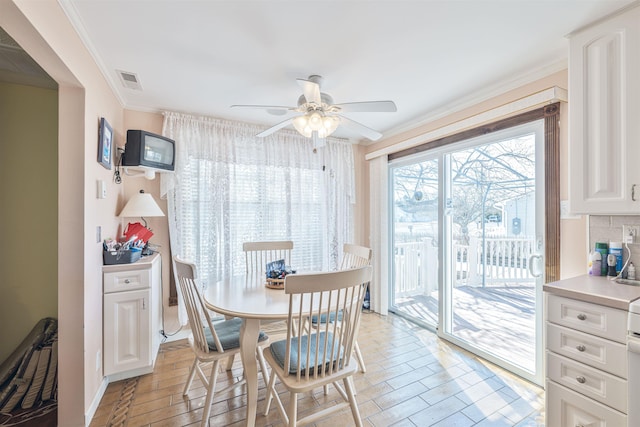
{"x": 429, "y": 57}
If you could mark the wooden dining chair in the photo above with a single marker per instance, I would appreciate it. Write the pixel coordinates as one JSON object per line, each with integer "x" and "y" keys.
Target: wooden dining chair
{"x": 210, "y": 341}
{"x": 353, "y": 256}
{"x": 258, "y": 254}
{"x": 322, "y": 356}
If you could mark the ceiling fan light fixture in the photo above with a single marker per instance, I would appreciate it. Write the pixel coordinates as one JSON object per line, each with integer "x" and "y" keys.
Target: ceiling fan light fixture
{"x": 315, "y": 121}
{"x": 301, "y": 123}
{"x": 319, "y": 117}
{"x": 331, "y": 123}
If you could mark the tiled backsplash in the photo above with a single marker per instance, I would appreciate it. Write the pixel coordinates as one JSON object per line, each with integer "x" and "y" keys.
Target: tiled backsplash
{"x": 604, "y": 228}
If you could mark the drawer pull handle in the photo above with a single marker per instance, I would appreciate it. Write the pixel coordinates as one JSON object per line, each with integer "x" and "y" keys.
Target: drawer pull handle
{"x": 582, "y": 316}
{"x": 581, "y": 348}
{"x": 581, "y": 380}
{"x": 127, "y": 281}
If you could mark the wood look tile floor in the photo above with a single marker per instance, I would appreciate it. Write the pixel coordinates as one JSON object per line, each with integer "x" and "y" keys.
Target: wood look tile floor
{"x": 413, "y": 379}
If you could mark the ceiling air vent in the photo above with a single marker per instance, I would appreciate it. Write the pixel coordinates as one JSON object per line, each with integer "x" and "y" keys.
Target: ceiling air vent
{"x": 129, "y": 80}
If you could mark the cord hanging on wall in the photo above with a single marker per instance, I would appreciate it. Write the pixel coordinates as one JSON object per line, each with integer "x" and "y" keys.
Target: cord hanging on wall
{"x": 117, "y": 178}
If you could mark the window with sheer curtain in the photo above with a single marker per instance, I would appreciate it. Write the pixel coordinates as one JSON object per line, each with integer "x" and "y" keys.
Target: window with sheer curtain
{"x": 230, "y": 187}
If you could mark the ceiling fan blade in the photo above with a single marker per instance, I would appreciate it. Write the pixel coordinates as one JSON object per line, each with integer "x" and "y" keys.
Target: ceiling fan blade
{"x": 368, "y": 107}
{"x": 276, "y": 110}
{"x": 275, "y": 128}
{"x": 363, "y": 130}
{"x": 311, "y": 91}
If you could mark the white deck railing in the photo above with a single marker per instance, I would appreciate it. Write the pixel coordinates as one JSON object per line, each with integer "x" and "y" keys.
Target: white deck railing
{"x": 416, "y": 264}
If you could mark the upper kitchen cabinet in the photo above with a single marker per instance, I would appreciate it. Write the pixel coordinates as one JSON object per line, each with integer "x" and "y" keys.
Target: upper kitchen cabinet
{"x": 604, "y": 116}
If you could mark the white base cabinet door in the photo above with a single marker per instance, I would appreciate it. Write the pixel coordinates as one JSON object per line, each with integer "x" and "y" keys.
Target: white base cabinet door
{"x": 127, "y": 332}
{"x": 571, "y": 409}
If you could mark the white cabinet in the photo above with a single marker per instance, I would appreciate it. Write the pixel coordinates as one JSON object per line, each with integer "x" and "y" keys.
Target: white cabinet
{"x": 127, "y": 331}
{"x": 604, "y": 107}
{"x": 586, "y": 364}
{"x": 132, "y": 317}
{"x": 571, "y": 409}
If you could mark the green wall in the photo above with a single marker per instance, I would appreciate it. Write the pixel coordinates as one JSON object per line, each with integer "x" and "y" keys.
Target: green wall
{"x": 28, "y": 211}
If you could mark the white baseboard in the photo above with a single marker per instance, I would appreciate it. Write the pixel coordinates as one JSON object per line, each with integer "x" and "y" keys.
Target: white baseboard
{"x": 88, "y": 416}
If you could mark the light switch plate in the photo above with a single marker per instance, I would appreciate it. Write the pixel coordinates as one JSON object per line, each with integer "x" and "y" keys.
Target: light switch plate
{"x": 98, "y": 234}
{"x": 101, "y": 188}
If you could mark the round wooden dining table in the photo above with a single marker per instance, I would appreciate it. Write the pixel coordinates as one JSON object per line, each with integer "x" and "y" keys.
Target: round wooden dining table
{"x": 247, "y": 297}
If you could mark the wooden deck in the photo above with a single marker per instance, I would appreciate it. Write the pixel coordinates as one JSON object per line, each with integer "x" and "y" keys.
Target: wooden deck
{"x": 498, "y": 319}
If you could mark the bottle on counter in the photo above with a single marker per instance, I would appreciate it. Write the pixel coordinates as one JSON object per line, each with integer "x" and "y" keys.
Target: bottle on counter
{"x": 611, "y": 265}
{"x": 615, "y": 248}
{"x": 631, "y": 271}
{"x": 603, "y": 249}
{"x": 595, "y": 263}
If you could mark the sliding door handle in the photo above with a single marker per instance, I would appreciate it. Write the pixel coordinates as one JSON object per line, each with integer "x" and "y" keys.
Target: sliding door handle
{"x": 531, "y": 262}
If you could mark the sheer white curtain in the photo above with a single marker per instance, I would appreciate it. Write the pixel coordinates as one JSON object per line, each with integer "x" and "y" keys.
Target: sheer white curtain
{"x": 230, "y": 187}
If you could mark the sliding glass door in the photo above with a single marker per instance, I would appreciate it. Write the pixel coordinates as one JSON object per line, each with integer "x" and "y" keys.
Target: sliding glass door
{"x": 415, "y": 235}
{"x": 468, "y": 222}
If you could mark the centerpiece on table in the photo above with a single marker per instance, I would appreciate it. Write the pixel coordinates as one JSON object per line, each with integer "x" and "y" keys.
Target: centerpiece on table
{"x": 276, "y": 272}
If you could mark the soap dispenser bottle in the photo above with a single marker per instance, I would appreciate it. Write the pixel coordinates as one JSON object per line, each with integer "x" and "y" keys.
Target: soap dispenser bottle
{"x": 631, "y": 271}
{"x": 611, "y": 265}
{"x": 595, "y": 263}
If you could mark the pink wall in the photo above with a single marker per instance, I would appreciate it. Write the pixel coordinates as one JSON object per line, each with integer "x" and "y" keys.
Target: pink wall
{"x": 152, "y": 122}
{"x": 44, "y": 31}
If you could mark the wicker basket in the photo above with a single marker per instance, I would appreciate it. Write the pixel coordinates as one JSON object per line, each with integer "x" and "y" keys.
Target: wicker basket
{"x": 275, "y": 283}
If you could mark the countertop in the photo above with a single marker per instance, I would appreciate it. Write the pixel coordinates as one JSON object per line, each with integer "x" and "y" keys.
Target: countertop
{"x": 595, "y": 289}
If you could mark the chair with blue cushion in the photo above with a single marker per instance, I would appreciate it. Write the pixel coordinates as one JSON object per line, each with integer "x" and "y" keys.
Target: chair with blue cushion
{"x": 210, "y": 341}
{"x": 323, "y": 355}
{"x": 353, "y": 256}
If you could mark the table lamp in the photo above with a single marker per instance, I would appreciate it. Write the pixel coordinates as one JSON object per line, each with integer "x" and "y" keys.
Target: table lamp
{"x": 141, "y": 205}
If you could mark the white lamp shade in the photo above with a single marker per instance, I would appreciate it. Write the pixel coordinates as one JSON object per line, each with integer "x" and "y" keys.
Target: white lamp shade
{"x": 142, "y": 204}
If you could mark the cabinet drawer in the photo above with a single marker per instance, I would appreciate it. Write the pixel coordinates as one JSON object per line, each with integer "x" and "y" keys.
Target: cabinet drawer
{"x": 566, "y": 408}
{"x": 127, "y": 280}
{"x": 594, "y": 351}
{"x": 598, "y": 385}
{"x": 593, "y": 319}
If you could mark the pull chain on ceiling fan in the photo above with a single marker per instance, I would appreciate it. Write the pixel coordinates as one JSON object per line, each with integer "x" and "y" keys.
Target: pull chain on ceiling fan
{"x": 319, "y": 117}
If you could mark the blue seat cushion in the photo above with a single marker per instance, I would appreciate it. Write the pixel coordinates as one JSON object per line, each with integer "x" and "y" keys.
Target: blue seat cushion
{"x": 323, "y": 317}
{"x": 228, "y": 332}
{"x": 279, "y": 348}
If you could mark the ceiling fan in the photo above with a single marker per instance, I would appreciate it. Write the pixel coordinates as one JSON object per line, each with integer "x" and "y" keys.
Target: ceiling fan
{"x": 318, "y": 117}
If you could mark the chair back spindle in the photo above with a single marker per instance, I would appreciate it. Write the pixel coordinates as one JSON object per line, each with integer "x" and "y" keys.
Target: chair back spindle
{"x": 258, "y": 254}
{"x": 354, "y": 256}
{"x": 327, "y": 349}
{"x": 198, "y": 315}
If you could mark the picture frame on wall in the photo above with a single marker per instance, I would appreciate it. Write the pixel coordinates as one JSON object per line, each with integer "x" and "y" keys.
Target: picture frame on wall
{"x": 105, "y": 143}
